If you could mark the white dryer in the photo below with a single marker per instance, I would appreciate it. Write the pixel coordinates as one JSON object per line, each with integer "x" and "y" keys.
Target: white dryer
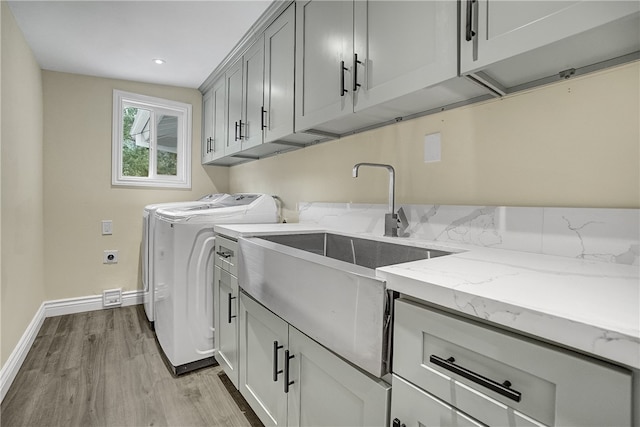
{"x": 146, "y": 253}
{"x": 184, "y": 269}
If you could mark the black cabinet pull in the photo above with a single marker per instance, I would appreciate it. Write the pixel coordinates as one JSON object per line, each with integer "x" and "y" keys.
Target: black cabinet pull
{"x": 224, "y": 255}
{"x": 470, "y": 32}
{"x": 263, "y": 120}
{"x": 356, "y": 85}
{"x": 342, "y": 70}
{"x": 287, "y": 383}
{"x": 236, "y": 133}
{"x": 229, "y": 316}
{"x": 276, "y": 372}
{"x": 398, "y": 423}
{"x": 240, "y": 129}
{"x": 503, "y": 389}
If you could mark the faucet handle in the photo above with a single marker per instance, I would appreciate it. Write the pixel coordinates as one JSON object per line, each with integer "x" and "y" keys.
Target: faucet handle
{"x": 403, "y": 222}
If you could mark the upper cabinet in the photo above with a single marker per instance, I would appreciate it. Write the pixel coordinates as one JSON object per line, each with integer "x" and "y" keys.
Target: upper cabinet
{"x": 324, "y": 58}
{"x": 315, "y": 70}
{"x": 279, "y": 62}
{"x": 401, "y": 47}
{"x": 374, "y": 58}
{"x": 213, "y": 122}
{"x": 516, "y": 42}
{"x": 235, "y": 125}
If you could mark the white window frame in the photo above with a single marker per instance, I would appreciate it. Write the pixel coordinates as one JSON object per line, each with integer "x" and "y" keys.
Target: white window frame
{"x": 183, "y": 166}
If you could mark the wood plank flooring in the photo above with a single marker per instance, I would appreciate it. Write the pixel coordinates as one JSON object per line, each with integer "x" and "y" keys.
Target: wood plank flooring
{"x": 103, "y": 368}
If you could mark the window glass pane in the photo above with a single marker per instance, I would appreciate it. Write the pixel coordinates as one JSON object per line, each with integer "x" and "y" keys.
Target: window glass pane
{"x": 135, "y": 141}
{"x": 167, "y": 143}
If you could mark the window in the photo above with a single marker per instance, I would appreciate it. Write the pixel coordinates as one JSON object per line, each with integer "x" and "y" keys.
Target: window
{"x": 151, "y": 141}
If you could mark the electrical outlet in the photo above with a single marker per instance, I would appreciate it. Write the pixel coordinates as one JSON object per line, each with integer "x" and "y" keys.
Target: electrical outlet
{"x": 110, "y": 257}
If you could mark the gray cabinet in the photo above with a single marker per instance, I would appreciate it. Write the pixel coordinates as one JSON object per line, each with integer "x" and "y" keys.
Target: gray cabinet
{"x": 377, "y": 59}
{"x": 253, "y": 95}
{"x": 234, "y": 123}
{"x": 518, "y": 42}
{"x": 402, "y": 47}
{"x": 499, "y": 378}
{"x": 324, "y": 57}
{"x": 213, "y": 122}
{"x": 264, "y": 338}
{"x": 225, "y": 296}
{"x": 279, "y": 60}
{"x": 226, "y": 323}
{"x": 328, "y": 391}
{"x": 321, "y": 388}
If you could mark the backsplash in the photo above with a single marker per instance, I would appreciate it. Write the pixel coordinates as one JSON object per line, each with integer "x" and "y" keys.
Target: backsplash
{"x": 604, "y": 235}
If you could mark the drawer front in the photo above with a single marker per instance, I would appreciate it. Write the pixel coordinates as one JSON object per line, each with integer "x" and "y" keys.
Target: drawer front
{"x": 413, "y": 407}
{"x": 227, "y": 254}
{"x": 555, "y": 387}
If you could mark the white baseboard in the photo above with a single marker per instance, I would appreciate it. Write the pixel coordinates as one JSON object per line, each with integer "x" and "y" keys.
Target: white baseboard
{"x": 50, "y": 309}
{"x": 16, "y": 358}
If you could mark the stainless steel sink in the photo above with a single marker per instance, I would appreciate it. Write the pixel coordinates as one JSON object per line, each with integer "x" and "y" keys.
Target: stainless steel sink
{"x": 324, "y": 284}
{"x": 364, "y": 252}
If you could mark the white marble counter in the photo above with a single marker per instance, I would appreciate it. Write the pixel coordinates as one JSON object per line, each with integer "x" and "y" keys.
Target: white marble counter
{"x": 590, "y": 306}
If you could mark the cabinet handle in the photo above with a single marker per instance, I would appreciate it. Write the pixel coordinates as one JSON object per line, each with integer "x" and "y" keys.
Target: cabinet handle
{"x": 224, "y": 255}
{"x": 342, "y": 70}
{"x": 209, "y": 141}
{"x": 356, "y": 85}
{"x": 398, "y": 423}
{"x": 276, "y": 372}
{"x": 229, "y": 316}
{"x": 240, "y": 129}
{"x": 470, "y": 32}
{"x": 236, "y": 133}
{"x": 262, "y": 118}
{"x": 287, "y": 383}
{"x": 503, "y": 389}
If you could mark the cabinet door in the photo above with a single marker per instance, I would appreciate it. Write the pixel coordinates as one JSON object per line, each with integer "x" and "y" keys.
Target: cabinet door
{"x": 392, "y": 62}
{"x": 279, "y": 50}
{"x": 324, "y": 55}
{"x": 207, "y": 126}
{"x": 253, "y": 95}
{"x": 413, "y": 407}
{"x": 234, "y": 108}
{"x": 226, "y": 323}
{"x": 261, "y": 332}
{"x": 493, "y": 30}
{"x": 218, "y": 135}
{"x": 327, "y": 391}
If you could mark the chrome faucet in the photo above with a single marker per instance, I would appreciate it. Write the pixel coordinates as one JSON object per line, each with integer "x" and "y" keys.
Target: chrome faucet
{"x": 391, "y": 219}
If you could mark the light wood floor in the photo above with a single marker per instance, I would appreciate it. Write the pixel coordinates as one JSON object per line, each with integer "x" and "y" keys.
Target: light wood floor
{"x": 103, "y": 368}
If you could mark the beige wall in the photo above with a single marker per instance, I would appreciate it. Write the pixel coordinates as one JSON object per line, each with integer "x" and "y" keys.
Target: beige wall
{"x": 78, "y": 191}
{"x": 23, "y": 289}
{"x": 574, "y": 143}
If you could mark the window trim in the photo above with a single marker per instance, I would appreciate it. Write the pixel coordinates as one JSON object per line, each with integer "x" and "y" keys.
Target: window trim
{"x": 183, "y": 167}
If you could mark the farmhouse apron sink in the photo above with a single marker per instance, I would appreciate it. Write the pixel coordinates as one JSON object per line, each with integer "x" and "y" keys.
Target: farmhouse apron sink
{"x": 325, "y": 285}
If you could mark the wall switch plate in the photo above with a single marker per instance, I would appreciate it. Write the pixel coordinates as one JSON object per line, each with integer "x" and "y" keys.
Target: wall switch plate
{"x": 112, "y": 297}
{"x": 110, "y": 257}
{"x": 107, "y": 227}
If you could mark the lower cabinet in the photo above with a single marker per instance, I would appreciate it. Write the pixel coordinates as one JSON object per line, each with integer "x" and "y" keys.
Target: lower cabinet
{"x": 289, "y": 379}
{"x": 448, "y": 370}
{"x": 226, "y": 322}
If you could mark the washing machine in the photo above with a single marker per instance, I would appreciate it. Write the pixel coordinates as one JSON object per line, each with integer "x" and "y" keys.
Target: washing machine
{"x": 146, "y": 253}
{"x": 183, "y": 277}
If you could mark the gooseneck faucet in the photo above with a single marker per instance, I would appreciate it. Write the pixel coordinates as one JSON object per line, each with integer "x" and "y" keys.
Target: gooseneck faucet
{"x": 391, "y": 218}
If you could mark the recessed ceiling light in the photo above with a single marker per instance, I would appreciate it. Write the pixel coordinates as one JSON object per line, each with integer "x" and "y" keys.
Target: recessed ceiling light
{"x": 159, "y": 61}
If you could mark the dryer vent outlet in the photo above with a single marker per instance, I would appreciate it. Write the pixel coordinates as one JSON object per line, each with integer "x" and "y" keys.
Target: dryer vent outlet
{"x": 112, "y": 298}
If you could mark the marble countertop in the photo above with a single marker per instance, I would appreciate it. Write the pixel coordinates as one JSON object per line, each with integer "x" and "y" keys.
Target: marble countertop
{"x": 590, "y": 306}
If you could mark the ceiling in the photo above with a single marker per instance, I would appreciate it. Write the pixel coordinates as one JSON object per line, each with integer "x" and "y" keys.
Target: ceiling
{"x": 120, "y": 39}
